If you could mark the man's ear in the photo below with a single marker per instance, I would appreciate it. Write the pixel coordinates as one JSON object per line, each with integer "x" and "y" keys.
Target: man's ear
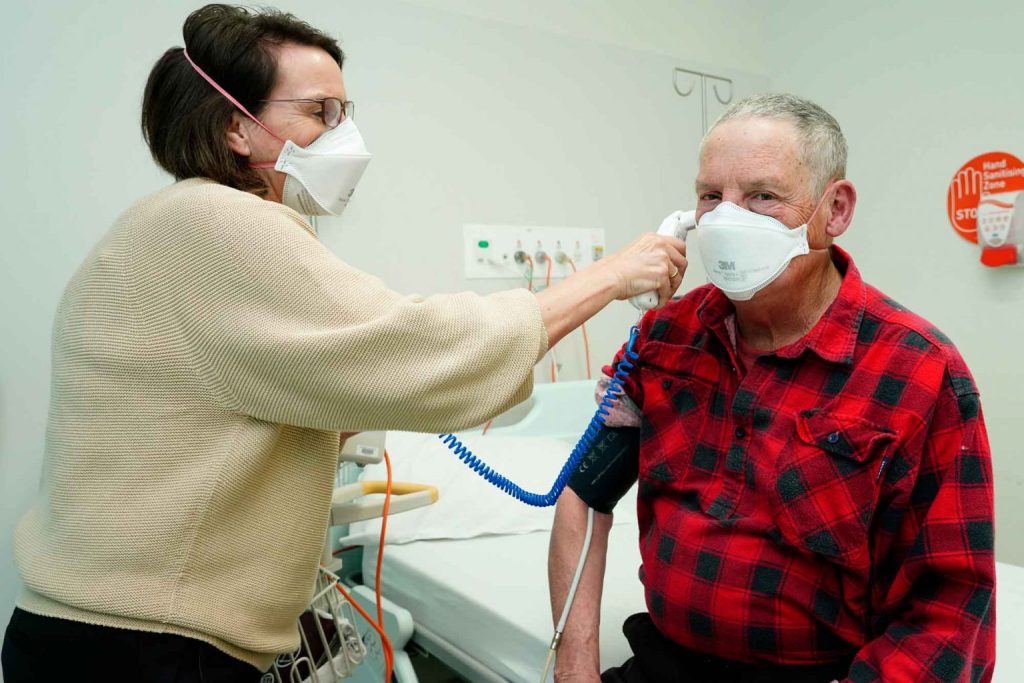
{"x": 844, "y": 201}
{"x": 237, "y": 135}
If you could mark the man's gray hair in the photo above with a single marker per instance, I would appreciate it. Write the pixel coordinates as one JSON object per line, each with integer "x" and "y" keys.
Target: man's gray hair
{"x": 821, "y": 141}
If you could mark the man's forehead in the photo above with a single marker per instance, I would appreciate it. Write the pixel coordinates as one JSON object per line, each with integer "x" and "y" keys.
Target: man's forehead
{"x": 754, "y": 152}
{"x": 755, "y": 129}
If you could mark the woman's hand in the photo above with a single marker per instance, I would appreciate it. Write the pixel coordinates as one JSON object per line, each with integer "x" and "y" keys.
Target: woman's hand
{"x": 650, "y": 263}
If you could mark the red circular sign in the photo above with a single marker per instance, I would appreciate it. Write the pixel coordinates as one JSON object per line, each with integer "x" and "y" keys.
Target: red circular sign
{"x": 986, "y": 174}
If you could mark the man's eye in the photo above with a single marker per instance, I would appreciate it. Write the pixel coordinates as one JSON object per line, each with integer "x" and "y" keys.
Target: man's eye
{"x": 764, "y": 196}
{"x": 710, "y": 197}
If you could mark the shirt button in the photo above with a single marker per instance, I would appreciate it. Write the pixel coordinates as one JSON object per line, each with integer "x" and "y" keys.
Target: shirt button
{"x": 833, "y": 437}
{"x": 740, "y": 432}
{"x": 666, "y": 384}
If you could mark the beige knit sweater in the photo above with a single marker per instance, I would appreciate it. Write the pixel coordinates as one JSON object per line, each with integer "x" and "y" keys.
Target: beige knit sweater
{"x": 205, "y": 356}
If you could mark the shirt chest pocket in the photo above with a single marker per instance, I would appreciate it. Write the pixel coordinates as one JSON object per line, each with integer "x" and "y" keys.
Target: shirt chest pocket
{"x": 827, "y": 481}
{"x": 678, "y": 384}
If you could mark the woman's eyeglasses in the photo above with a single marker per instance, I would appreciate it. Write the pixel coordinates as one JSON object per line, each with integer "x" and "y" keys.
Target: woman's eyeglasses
{"x": 332, "y": 110}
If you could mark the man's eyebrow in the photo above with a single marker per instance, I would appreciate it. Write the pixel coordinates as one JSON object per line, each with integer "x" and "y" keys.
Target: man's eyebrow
{"x": 770, "y": 182}
{"x": 766, "y": 182}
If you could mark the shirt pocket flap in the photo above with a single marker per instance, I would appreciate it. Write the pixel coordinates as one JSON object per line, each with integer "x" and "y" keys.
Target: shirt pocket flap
{"x": 681, "y": 361}
{"x": 843, "y": 435}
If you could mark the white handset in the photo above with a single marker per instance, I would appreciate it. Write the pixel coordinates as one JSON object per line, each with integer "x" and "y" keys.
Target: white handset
{"x": 676, "y": 225}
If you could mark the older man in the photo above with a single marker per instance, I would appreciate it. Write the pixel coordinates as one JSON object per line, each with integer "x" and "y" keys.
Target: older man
{"x": 815, "y": 496}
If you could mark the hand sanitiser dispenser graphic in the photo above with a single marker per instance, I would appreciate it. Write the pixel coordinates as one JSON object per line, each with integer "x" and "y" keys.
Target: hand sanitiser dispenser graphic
{"x": 1001, "y": 229}
{"x": 985, "y": 203}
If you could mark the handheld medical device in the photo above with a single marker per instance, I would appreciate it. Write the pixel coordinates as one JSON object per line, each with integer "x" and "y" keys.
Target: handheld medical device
{"x": 677, "y": 225}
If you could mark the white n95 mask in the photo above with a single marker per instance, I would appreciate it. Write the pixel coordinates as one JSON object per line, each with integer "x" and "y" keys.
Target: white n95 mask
{"x": 323, "y": 175}
{"x": 744, "y": 252}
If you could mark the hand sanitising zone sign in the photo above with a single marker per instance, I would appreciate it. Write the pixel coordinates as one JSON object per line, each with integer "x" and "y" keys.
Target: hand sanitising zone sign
{"x": 985, "y": 203}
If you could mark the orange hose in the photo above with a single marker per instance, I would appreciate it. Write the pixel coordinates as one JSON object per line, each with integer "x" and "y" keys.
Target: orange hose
{"x": 383, "y": 533}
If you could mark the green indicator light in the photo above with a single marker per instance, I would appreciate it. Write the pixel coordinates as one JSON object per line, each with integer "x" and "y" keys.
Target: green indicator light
{"x": 483, "y": 244}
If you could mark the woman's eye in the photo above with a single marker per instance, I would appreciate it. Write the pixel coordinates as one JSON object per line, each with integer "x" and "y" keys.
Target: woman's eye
{"x": 710, "y": 197}
{"x": 764, "y": 196}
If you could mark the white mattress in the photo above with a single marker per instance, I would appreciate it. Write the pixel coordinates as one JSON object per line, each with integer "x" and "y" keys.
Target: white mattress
{"x": 489, "y": 597}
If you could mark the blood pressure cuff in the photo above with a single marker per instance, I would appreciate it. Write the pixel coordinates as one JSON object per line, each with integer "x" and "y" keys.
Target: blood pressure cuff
{"x": 608, "y": 469}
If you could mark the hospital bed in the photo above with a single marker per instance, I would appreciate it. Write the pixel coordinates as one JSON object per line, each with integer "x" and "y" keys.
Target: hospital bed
{"x": 476, "y": 584}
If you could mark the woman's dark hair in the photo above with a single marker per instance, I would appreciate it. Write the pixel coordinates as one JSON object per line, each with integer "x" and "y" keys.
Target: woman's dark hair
{"x": 184, "y": 118}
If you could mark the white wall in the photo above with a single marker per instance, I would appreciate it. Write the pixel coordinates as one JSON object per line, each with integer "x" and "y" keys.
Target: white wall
{"x": 74, "y": 74}
{"x": 919, "y": 89}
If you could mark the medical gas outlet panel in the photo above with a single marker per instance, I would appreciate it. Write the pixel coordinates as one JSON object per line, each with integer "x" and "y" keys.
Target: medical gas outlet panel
{"x": 509, "y": 252}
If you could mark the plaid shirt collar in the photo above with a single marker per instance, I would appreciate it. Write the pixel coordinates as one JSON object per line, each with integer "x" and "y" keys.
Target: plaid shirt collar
{"x": 833, "y": 338}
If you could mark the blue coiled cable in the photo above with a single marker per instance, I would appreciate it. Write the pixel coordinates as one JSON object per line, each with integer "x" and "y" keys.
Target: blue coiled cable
{"x": 626, "y": 363}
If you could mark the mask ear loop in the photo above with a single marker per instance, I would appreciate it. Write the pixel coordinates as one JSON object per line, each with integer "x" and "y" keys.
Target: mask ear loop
{"x": 821, "y": 202}
{"x": 226, "y": 94}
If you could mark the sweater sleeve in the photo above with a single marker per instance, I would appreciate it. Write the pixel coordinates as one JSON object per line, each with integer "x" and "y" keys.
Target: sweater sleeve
{"x": 282, "y": 330}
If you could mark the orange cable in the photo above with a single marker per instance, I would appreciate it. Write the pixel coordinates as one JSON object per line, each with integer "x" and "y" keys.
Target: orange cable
{"x": 388, "y": 652}
{"x": 383, "y": 533}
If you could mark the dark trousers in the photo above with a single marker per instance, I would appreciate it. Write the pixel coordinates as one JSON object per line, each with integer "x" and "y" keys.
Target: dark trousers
{"x": 656, "y": 659}
{"x": 44, "y": 649}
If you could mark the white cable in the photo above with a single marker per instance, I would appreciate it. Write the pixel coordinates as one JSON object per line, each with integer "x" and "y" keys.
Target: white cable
{"x": 570, "y": 596}
{"x": 579, "y": 571}
{"x": 547, "y": 665}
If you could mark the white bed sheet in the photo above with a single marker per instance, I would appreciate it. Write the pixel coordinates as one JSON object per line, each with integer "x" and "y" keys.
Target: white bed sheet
{"x": 489, "y": 597}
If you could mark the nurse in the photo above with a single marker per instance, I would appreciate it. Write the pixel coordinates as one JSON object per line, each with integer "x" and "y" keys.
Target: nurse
{"x": 209, "y": 351}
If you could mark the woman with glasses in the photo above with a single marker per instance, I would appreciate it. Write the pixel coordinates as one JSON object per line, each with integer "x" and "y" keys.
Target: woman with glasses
{"x": 210, "y": 353}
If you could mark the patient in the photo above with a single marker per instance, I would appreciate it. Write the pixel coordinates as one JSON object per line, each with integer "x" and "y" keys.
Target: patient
{"x": 815, "y": 484}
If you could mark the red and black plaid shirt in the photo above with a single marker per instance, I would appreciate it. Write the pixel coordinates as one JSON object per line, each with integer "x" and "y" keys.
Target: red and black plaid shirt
{"x": 833, "y": 500}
